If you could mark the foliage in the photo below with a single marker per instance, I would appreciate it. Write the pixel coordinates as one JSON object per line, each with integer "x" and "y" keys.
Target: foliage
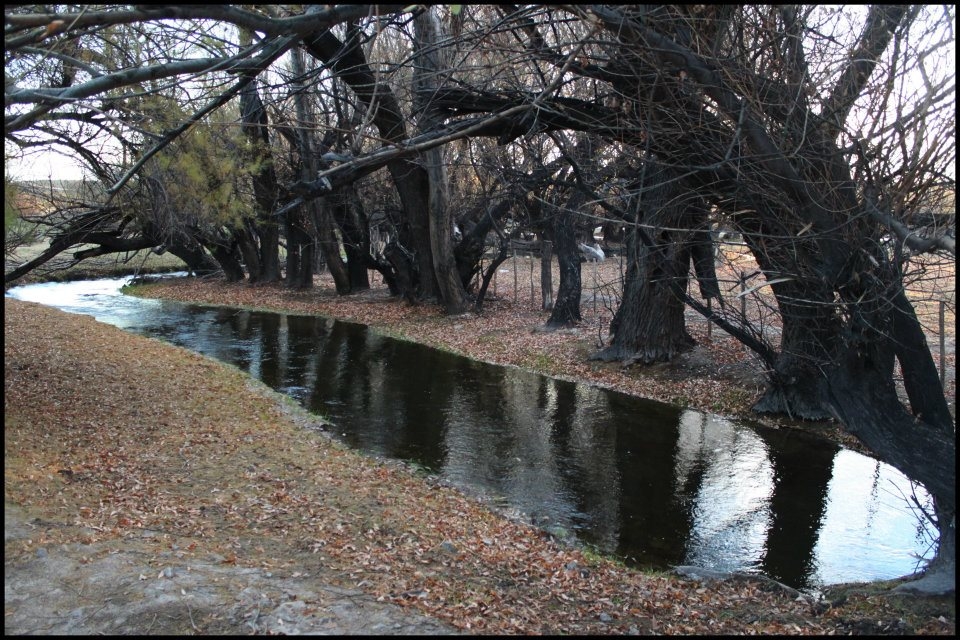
{"x": 206, "y": 175}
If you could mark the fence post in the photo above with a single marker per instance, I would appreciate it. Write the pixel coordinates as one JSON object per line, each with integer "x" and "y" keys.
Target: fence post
{"x": 514, "y": 275}
{"x": 709, "y": 321}
{"x": 943, "y": 370}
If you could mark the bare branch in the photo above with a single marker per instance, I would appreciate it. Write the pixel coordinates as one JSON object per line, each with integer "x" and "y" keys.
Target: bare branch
{"x": 882, "y": 21}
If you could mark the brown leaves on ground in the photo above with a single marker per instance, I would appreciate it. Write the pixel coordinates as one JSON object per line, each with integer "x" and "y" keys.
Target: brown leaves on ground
{"x": 112, "y": 434}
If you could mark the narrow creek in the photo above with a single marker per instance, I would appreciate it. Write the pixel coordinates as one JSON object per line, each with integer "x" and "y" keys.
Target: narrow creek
{"x": 650, "y": 483}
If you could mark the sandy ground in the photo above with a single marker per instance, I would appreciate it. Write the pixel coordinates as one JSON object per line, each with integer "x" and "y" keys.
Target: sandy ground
{"x": 111, "y": 588}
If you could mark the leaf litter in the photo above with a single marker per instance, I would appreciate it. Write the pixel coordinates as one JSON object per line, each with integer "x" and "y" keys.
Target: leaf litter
{"x": 114, "y": 435}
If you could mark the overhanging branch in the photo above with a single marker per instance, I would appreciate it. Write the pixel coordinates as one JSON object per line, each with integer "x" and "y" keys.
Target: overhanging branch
{"x": 327, "y": 181}
{"x": 915, "y": 242}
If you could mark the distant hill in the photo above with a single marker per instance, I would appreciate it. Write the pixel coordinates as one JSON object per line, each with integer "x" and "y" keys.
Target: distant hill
{"x": 57, "y": 188}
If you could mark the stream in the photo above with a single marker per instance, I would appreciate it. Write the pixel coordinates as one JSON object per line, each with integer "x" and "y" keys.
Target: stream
{"x": 653, "y": 484}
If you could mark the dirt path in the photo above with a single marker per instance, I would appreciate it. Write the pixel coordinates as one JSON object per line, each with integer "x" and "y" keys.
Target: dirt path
{"x": 111, "y": 588}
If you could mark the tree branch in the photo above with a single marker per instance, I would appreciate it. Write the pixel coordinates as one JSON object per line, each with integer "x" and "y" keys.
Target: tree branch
{"x": 270, "y": 54}
{"x": 910, "y": 238}
{"x": 811, "y": 210}
{"x": 882, "y": 21}
{"x": 295, "y": 25}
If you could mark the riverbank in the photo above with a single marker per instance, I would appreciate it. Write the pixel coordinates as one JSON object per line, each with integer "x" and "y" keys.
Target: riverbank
{"x": 228, "y": 511}
{"x": 718, "y": 375}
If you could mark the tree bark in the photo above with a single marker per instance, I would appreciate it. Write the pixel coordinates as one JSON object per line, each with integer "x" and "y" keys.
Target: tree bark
{"x": 254, "y": 123}
{"x": 197, "y": 260}
{"x": 353, "y": 223}
{"x": 797, "y": 386}
{"x": 566, "y": 309}
{"x": 314, "y": 213}
{"x": 491, "y": 272}
{"x": 329, "y": 245}
{"x": 247, "y": 245}
{"x": 226, "y": 257}
{"x": 546, "y": 274}
{"x": 453, "y": 296}
{"x": 403, "y": 267}
{"x": 409, "y": 177}
{"x": 299, "y": 250}
{"x": 649, "y": 325}
{"x": 862, "y": 395}
{"x": 470, "y": 250}
{"x": 920, "y": 377}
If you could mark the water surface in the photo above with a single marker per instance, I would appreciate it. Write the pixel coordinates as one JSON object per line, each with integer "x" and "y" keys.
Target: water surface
{"x": 653, "y": 484}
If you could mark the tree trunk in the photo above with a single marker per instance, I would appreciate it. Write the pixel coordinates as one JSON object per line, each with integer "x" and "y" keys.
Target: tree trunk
{"x": 269, "y": 234}
{"x": 546, "y": 274}
{"x": 197, "y": 260}
{"x": 413, "y": 187}
{"x": 329, "y": 245}
{"x": 227, "y": 259}
{"x": 247, "y": 244}
{"x": 305, "y": 280}
{"x": 491, "y": 272}
{"x": 865, "y": 399}
{"x": 403, "y": 267}
{"x": 312, "y": 214}
{"x": 809, "y": 338}
{"x": 470, "y": 250}
{"x": 353, "y": 223}
{"x": 453, "y": 296}
{"x": 293, "y": 248}
{"x": 649, "y": 325}
{"x": 409, "y": 177}
{"x": 920, "y": 377}
{"x": 810, "y": 326}
{"x": 863, "y": 396}
{"x": 255, "y": 124}
{"x": 940, "y": 576}
{"x": 704, "y": 263}
{"x": 566, "y": 309}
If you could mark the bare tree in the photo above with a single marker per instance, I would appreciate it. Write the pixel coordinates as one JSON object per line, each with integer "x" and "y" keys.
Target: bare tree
{"x": 428, "y": 73}
{"x": 823, "y": 136}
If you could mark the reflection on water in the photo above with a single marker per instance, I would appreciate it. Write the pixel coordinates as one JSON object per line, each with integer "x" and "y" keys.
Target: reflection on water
{"x": 651, "y": 483}
{"x": 728, "y": 475}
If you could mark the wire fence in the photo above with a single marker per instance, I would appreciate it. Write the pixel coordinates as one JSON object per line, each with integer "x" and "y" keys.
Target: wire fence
{"x": 744, "y": 290}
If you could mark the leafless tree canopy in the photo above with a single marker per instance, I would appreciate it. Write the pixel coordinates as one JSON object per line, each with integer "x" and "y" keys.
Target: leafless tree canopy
{"x": 413, "y": 140}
